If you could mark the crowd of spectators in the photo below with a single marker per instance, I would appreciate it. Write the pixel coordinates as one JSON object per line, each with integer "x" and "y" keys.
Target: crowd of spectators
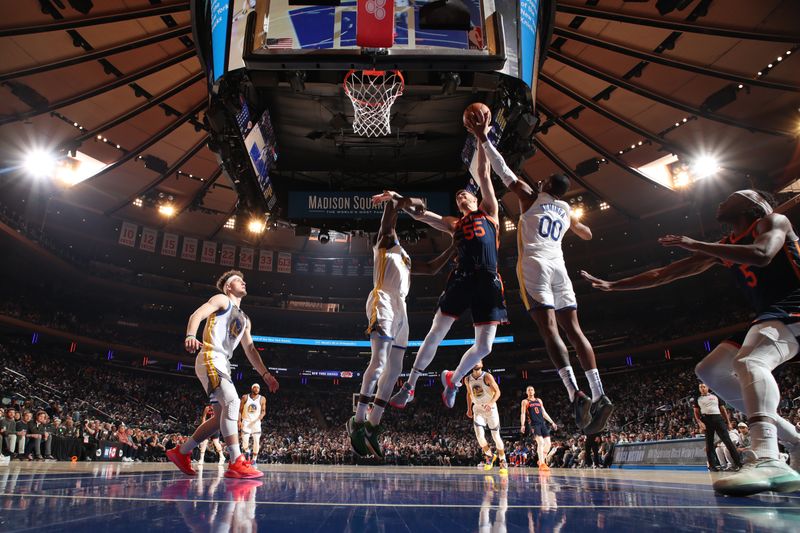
{"x": 67, "y": 397}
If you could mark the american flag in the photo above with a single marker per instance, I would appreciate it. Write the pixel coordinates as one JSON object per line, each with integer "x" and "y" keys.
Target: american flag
{"x": 281, "y": 43}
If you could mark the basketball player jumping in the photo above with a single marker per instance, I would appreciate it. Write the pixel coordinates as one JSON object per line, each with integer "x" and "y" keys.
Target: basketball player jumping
{"x": 388, "y": 323}
{"x": 475, "y": 284}
{"x": 482, "y": 396}
{"x": 763, "y": 254}
{"x": 253, "y": 411}
{"x": 544, "y": 283}
{"x": 532, "y": 410}
{"x": 226, "y": 326}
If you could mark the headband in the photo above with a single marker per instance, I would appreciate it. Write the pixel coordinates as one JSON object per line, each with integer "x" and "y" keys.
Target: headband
{"x": 229, "y": 281}
{"x": 756, "y": 199}
{"x": 255, "y": 385}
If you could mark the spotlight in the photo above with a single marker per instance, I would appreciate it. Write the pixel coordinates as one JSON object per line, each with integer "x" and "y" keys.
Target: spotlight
{"x": 578, "y": 213}
{"x": 256, "y": 225}
{"x": 138, "y": 202}
{"x": 705, "y": 166}
{"x": 168, "y": 210}
{"x": 324, "y": 237}
{"x": 681, "y": 180}
{"x": 604, "y": 206}
{"x": 230, "y": 223}
{"x": 40, "y": 163}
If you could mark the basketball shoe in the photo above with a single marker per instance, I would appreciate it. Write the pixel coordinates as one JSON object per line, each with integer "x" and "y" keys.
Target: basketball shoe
{"x": 403, "y": 397}
{"x": 450, "y": 389}
{"x": 372, "y": 438}
{"x": 358, "y": 438}
{"x": 582, "y": 406}
{"x": 242, "y": 469}
{"x": 181, "y": 460}
{"x": 600, "y": 411}
{"x": 760, "y": 475}
{"x": 488, "y": 462}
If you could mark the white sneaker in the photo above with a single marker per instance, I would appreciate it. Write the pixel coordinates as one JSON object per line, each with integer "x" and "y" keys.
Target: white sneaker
{"x": 5, "y": 459}
{"x": 759, "y": 476}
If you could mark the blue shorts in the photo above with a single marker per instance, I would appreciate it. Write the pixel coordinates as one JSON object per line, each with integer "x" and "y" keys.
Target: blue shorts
{"x": 540, "y": 429}
{"x": 480, "y": 291}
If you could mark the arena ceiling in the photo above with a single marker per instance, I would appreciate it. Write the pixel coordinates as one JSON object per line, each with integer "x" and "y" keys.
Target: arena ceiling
{"x": 623, "y": 85}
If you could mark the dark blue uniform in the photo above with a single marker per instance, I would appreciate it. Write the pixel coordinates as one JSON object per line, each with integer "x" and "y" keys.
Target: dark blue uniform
{"x": 536, "y": 419}
{"x": 475, "y": 283}
{"x": 772, "y": 290}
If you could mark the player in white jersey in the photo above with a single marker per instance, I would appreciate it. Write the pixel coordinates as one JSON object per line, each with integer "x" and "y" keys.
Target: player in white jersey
{"x": 226, "y": 326}
{"x": 482, "y": 396}
{"x": 545, "y": 286}
{"x": 388, "y": 324}
{"x": 253, "y": 411}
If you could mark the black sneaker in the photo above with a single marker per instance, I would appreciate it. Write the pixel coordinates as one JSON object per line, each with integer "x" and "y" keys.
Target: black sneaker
{"x": 358, "y": 439}
{"x": 372, "y": 436}
{"x": 582, "y": 406}
{"x": 600, "y": 411}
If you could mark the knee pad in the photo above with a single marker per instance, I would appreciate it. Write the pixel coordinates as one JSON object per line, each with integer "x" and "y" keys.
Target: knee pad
{"x": 232, "y": 410}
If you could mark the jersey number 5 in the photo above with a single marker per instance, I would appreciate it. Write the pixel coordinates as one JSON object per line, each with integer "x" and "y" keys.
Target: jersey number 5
{"x": 473, "y": 230}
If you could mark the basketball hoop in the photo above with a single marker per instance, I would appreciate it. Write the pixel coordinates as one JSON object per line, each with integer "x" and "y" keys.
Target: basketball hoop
{"x": 373, "y": 92}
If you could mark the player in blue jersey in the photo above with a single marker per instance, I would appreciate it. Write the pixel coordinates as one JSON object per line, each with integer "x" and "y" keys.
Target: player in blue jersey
{"x": 533, "y": 412}
{"x": 763, "y": 254}
{"x": 475, "y": 284}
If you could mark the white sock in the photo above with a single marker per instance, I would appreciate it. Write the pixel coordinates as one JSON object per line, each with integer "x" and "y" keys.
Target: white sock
{"x": 234, "y": 452}
{"x": 764, "y": 440}
{"x": 594, "y": 383}
{"x": 375, "y": 415}
{"x": 413, "y": 377}
{"x": 188, "y": 446}
{"x": 361, "y": 411}
{"x": 568, "y": 377}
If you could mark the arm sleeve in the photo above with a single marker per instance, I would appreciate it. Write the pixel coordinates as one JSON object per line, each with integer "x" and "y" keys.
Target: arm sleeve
{"x": 499, "y": 164}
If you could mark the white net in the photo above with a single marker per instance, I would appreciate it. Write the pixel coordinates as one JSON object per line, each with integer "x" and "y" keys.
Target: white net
{"x": 373, "y": 92}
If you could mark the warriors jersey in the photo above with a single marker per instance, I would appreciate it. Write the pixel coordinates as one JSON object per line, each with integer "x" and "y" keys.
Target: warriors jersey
{"x": 481, "y": 392}
{"x": 772, "y": 290}
{"x": 252, "y": 408}
{"x": 392, "y": 271}
{"x": 477, "y": 238}
{"x": 542, "y": 227}
{"x": 535, "y": 411}
{"x": 224, "y": 331}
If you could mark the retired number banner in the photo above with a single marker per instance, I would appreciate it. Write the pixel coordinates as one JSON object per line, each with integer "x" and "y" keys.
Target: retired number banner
{"x": 148, "y": 242}
{"x": 209, "y": 254}
{"x": 265, "y": 260}
{"x": 246, "y": 258}
{"x": 169, "y": 246}
{"x": 127, "y": 234}
{"x": 189, "y": 250}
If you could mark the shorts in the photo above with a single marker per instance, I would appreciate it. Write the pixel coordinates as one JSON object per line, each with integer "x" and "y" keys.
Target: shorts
{"x": 544, "y": 283}
{"x": 486, "y": 417}
{"x": 252, "y": 427}
{"x": 211, "y": 368}
{"x": 539, "y": 429}
{"x": 388, "y": 317}
{"x": 481, "y": 291}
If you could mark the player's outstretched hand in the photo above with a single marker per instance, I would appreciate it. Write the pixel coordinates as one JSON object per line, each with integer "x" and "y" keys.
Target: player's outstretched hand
{"x": 272, "y": 383}
{"x": 680, "y": 241}
{"x": 192, "y": 345}
{"x": 385, "y": 196}
{"x": 597, "y": 283}
{"x": 479, "y": 124}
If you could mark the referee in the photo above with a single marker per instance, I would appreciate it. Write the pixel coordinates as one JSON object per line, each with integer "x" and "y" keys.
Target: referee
{"x": 713, "y": 418}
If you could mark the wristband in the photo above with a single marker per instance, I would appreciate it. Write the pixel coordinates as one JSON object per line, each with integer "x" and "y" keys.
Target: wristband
{"x": 191, "y": 337}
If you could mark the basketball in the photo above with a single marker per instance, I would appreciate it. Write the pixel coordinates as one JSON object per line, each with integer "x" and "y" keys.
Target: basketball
{"x": 477, "y": 107}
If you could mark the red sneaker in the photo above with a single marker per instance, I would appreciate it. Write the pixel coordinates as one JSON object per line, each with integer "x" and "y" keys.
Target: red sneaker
{"x": 182, "y": 461}
{"x": 242, "y": 469}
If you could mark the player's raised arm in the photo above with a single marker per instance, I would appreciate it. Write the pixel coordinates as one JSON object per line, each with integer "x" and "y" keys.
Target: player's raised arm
{"x": 691, "y": 266}
{"x": 387, "y": 234}
{"x": 483, "y": 176}
{"x": 580, "y": 229}
{"x": 255, "y": 359}
{"x": 216, "y": 303}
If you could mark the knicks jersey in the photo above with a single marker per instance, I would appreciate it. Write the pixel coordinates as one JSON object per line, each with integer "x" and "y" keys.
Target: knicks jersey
{"x": 772, "y": 290}
{"x": 535, "y": 411}
{"x": 481, "y": 392}
{"x": 252, "y": 408}
{"x": 392, "y": 271}
{"x": 477, "y": 238}
{"x": 224, "y": 331}
{"x": 542, "y": 227}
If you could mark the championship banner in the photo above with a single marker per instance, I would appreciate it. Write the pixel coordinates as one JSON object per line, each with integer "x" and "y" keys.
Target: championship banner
{"x": 228, "y": 256}
{"x": 301, "y": 266}
{"x": 127, "y": 234}
{"x": 148, "y": 242}
{"x": 209, "y": 254}
{"x": 327, "y": 204}
{"x": 375, "y": 24}
{"x": 284, "y": 262}
{"x": 265, "y": 260}
{"x": 679, "y": 452}
{"x": 246, "y": 258}
{"x": 189, "y": 250}
{"x": 169, "y": 245}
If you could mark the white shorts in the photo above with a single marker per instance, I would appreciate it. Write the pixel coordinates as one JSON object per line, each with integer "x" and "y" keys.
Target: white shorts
{"x": 211, "y": 369}
{"x": 486, "y": 417}
{"x": 387, "y": 315}
{"x": 545, "y": 283}
{"x": 251, "y": 428}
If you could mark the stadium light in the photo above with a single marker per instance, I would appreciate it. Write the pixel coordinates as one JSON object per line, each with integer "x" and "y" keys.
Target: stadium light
{"x": 40, "y": 163}
{"x": 578, "y": 213}
{"x": 167, "y": 210}
{"x": 256, "y": 226}
{"x": 705, "y": 166}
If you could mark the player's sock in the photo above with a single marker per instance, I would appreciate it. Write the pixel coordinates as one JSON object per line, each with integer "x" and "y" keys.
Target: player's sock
{"x": 568, "y": 377}
{"x": 233, "y": 452}
{"x": 362, "y": 407}
{"x": 595, "y": 384}
{"x": 414, "y": 376}
{"x": 764, "y": 440}
{"x": 375, "y": 415}
{"x": 188, "y": 446}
